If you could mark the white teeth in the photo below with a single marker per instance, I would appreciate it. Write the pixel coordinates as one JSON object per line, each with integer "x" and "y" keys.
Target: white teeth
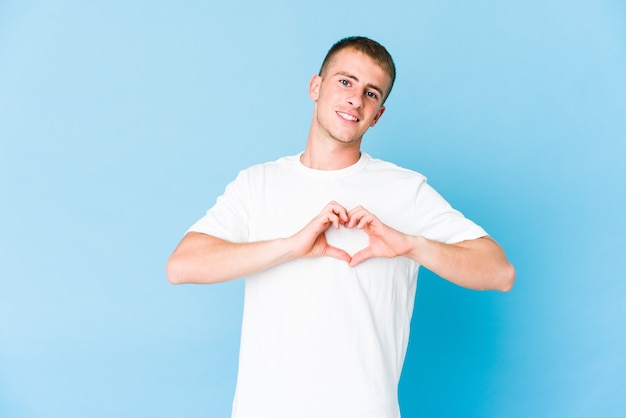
{"x": 347, "y": 117}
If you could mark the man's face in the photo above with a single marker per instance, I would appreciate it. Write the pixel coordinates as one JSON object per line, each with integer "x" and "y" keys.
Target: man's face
{"x": 348, "y": 96}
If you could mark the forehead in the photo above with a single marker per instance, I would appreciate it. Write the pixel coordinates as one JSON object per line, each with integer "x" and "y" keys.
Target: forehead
{"x": 360, "y": 65}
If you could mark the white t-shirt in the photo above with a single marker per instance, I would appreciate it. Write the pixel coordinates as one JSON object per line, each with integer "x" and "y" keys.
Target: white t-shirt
{"x": 321, "y": 339}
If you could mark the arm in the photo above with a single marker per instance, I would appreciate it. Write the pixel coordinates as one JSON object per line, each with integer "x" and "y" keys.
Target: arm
{"x": 204, "y": 259}
{"x": 475, "y": 264}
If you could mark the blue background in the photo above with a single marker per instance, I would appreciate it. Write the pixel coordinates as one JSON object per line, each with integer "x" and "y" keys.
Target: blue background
{"x": 120, "y": 123}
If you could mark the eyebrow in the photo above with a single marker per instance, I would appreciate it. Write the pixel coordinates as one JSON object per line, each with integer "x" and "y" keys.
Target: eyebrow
{"x": 369, "y": 85}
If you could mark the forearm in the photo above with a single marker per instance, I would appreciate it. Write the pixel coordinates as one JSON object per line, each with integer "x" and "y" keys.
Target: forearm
{"x": 478, "y": 264}
{"x": 204, "y": 259}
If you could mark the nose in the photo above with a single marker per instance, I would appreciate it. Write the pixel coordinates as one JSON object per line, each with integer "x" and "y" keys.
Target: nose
{"x": 355, "y": 100}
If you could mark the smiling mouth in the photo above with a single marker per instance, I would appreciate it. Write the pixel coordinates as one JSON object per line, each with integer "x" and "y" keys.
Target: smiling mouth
{"x": 347, "y": 117}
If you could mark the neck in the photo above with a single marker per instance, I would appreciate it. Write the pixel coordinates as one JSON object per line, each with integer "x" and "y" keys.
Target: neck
{"x": 323, "y": 152}
{"x": 320, "y": 157}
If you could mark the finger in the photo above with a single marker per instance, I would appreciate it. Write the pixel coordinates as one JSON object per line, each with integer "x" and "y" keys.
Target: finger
{"x": 366, "y": 220}
{"x": 341, "y": 213}
{"x": 331, "y": 219}
{"x": 360, "y": 217}
{"x": 338, "y": 253}
{"x": 361, "y": 256}
{"x": 355, "y": 215}
{"x": 338, "y": 210}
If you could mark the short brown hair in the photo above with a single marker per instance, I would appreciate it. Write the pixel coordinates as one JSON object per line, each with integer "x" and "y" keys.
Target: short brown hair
{"x": 369, "y": 47}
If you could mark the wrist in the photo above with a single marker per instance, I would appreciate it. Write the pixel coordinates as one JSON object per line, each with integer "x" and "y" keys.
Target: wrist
{"x": 284, "y": 249}
{"x": 418, "y": 245}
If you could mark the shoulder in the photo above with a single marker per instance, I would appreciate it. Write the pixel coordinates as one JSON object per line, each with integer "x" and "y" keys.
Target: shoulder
{"x": 279, "y": 165}
{"x": 382, "y": 167}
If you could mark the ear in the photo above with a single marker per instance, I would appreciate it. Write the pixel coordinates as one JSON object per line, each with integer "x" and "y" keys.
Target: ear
{"x": 378, "y": 115}
{"x": 314, "y": 87}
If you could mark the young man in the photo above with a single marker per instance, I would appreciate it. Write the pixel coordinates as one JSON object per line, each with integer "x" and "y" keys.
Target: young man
{"x": 329, "y": 294}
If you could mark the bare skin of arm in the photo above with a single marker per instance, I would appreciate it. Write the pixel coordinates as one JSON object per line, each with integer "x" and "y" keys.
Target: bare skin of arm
{"x": 478, "y": 264}
{"x": 205, "y": 259}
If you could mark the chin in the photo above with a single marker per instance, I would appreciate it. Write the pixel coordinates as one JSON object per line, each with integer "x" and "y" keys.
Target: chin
{"x": 346, "y": 140}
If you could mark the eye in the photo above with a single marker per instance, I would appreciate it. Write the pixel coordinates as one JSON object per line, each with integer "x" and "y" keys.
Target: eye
{"x": 344, "y": 82}
{"x": 371, "y": 94}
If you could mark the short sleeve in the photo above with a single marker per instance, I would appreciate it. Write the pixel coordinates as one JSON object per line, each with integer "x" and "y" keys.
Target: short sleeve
{"x": 229, "y": 218}
{"x": 437, "y": 220}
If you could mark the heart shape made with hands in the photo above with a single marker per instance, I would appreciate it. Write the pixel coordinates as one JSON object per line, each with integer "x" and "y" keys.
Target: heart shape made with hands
{"x": 351, "y": 240}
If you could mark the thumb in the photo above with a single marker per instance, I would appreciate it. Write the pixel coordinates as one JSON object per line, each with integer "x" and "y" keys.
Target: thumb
{"x": 337, "y": 253}
{"x": 361, "y": 256}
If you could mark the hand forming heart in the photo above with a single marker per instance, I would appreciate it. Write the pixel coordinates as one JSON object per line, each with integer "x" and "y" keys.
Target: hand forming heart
{"x": 337, "y": 224}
